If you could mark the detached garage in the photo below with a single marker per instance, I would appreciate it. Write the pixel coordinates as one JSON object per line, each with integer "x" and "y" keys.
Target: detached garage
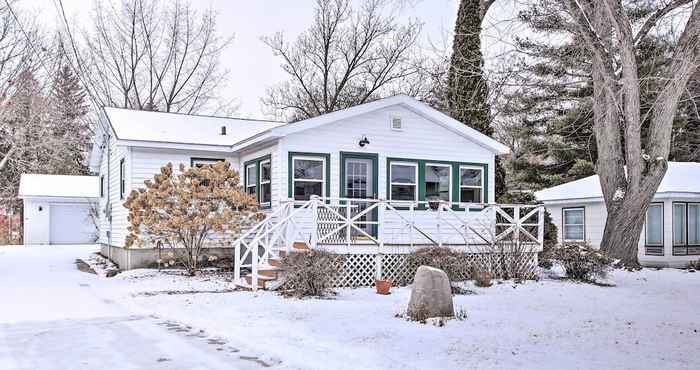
{"x": 59, "y": 209}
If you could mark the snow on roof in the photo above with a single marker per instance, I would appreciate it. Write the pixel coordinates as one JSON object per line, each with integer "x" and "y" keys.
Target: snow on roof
{"x": 681, "y": 177}
{"x": 35, "y": 185}
{"x": 180, "y": 128}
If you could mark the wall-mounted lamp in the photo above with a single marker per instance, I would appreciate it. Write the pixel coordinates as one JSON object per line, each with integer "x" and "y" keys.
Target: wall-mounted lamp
{"x": 364, "y": 142}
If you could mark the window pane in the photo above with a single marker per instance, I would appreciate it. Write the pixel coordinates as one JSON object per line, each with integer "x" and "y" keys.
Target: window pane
{"x": 573, "y": 217}
{"x": 251, "y": 175}
{"x": 403, "y": 173}
{"x": 654, "y": 225}
{"x": 403, "y": 192}
{"x": 573, "y": 232}
{"x": 679, "y": 224}
{"x": 470, "y": 177}
{"x": 693, "y": 224}
{"x": 309, "y": 169}
{"x": 437, "y": 182}
{"x": 265, "y": 169}
{"x": 303, "y": 190}
{"x": 470, "y": 195}
{"x": 265, "y": 193}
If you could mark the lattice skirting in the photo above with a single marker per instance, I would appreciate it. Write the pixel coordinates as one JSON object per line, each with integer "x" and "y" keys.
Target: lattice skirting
{"x": 360, "y": 270}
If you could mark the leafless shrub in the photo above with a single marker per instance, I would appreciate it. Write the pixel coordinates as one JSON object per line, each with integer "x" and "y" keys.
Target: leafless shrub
{"x": 694, "y": 265}
{"x": 581, "y": 262}
{"x": 309, "y": 274}
{"x": 441, "y": 258}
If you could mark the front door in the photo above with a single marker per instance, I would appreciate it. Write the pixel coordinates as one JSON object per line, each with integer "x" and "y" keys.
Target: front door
{"x": 360, "y": 182}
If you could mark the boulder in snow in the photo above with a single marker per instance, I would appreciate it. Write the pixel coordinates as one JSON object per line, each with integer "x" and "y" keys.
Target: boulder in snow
{"x": 431, "y": 295}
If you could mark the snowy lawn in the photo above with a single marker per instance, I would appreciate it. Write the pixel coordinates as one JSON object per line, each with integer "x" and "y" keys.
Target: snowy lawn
{"x": 651, "y": 319}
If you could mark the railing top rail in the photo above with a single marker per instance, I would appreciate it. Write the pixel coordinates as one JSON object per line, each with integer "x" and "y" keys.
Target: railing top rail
{"x": 403, "y": 203}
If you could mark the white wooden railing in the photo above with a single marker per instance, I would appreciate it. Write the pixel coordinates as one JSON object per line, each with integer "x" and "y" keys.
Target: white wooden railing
{"x": 345, "y": 225}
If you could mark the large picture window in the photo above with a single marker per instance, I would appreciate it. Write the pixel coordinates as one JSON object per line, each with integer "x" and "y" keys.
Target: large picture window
{"x": 471, "y": 184}
{"x": 438, "y": 182}
{"x": 308, "y": 177}
{"x": 574, "y": 224}
{"x": 403, "y": 181}
{"x": 654, "y": 230}
{"x": 686, "y": 228}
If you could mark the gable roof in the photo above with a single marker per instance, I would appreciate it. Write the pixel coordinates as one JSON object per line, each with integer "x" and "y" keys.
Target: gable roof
{"x": 681, "y": 177}
{"x": 418, "y": 107}
{"x": 137, "y": 125}
{"x": 36, "y": 185}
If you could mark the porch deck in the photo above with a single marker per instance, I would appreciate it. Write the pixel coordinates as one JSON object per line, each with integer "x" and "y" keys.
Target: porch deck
{"x": 367, "y": 227}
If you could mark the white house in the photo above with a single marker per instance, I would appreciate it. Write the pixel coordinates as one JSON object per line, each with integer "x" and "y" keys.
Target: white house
{"x": 391, "y": 150}
{"x": 58, "y": 209}
{"x": 671, "y": 234}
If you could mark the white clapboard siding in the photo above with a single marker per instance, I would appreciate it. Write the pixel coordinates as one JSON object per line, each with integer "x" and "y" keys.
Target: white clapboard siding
{"x": 418, "y": 139}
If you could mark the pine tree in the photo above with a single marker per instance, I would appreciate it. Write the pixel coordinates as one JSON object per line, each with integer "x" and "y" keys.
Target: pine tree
{"x": 69, "y": 121}
{"x": 467, "y": 89}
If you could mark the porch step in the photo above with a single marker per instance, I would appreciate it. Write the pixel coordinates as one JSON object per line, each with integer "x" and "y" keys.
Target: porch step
{"x": 262, "y": 280}
{"x": 301, "y": 245}
{"x": 275, "y": 261}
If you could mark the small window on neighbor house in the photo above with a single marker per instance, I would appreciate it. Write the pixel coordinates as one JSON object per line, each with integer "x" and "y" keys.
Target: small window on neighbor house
{"x": 122, "y": 178}
{"x": 694, "y": 224}
{"x": 686, "y": 228}
{"x": 679, "y": 223}
{"x": 265, "y": 183}
{"x": 251, "y": 178}
{"x": 438, "y": 182}
{"x": 574, "y": 224}
{"x": 471, "y": 184}
{"x": 654, "y": 225}
{"x": 309, "y": 176}
{"x": 404, "y": 181}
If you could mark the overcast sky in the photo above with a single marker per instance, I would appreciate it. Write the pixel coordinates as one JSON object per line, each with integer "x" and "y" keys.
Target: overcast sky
{"x": 252, "y": 66}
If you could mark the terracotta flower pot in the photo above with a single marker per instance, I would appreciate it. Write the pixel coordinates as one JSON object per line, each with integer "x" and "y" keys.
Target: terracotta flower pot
{"x": 383, "y": 286}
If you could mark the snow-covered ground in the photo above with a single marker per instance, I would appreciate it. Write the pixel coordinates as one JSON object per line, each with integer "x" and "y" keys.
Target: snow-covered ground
{"x": 651, "y": 319}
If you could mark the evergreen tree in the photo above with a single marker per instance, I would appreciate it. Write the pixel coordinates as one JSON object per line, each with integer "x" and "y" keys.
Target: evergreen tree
{"x": 467, "y": 89}
{"x": 69, "y": 121}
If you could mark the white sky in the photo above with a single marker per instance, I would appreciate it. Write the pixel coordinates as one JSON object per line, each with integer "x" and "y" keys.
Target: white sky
{"x": 252, "y": 66}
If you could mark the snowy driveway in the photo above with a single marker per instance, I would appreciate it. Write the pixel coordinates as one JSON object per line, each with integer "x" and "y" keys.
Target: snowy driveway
{"x": 53, "y": 316}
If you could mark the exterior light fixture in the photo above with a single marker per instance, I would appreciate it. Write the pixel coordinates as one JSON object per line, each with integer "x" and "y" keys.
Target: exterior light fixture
{"x": 364, "y": 142}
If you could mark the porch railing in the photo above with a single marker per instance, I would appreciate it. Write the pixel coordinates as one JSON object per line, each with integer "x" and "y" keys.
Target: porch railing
{"x": 346, "y": 225}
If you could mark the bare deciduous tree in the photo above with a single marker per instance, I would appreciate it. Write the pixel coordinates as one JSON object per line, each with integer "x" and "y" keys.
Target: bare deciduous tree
{"x": 348, "y": 56}
{"x": 631, "y": 170}
{"x": 152, "y": 55}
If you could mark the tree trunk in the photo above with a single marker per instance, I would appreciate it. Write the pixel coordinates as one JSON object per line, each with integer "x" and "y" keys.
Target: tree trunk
{"x": 623, "y": 228}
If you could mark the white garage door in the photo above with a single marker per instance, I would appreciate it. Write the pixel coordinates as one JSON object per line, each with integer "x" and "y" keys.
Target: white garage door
{"x": 70, "y": 224}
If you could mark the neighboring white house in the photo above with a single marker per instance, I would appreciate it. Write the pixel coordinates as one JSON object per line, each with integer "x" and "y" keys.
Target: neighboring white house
{"x": 394, "y": 149}
{"x": 671, "y": 234}
{"x": 57, "y": 208}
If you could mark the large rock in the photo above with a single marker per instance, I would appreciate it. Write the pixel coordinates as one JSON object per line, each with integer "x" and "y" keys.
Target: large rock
{"x": 431, "y": 295}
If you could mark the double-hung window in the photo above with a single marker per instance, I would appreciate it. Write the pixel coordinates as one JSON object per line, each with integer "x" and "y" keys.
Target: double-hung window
{"x": 574, "y": 224}
{"x": 438, "y": 182}
{"x": 265, "y": 170}
{"x": 122, "y": 178}
{"x": 308, "y": 177}
{"x": 471, "y": 184}
{"x": 654, "y": 230}
{"x": 403, "y": 181}
{"x": 686, "y": 228}
{"x": 251, "y": 178}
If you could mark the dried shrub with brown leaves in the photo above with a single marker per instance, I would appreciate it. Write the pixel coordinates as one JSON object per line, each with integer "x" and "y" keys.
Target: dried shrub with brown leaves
{"x": 197, "y": 207}
{"x": 309, "y": 274}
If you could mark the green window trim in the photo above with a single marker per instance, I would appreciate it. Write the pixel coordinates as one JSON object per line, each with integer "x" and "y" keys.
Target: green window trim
{"x": 256, "y": 162}
{"x": 290, "y": 171}
{"x": 375, "y": 171}
{"x": 455, "y": 178}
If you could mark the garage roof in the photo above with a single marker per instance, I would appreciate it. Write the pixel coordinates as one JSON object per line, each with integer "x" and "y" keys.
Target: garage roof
{"x": 36, "y": 185}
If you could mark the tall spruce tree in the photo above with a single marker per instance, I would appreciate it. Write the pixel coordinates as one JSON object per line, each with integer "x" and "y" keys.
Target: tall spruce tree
{"x": 467, "y": 89}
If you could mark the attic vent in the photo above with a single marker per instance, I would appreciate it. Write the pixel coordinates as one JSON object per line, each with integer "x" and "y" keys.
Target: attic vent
{"x": 223, "y": 130}
{"x": 396, "y": 124}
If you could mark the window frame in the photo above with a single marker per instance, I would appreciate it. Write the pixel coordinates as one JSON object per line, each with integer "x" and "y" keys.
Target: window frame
{"x": 651, "y": 248}
{"x": 257, "y": 164}
{"x": 564, "y": 224}
{"x": 246, "y": 179}
{"x": 460, "y": 186}
{"x": 122, "y": 179}
{"x": 326, "y": 177}
{"x": 450, "y": 167}
{"x": 262, "y": 182}
{"x": 415, "y": 165}
{"x": 685, "y": 249}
